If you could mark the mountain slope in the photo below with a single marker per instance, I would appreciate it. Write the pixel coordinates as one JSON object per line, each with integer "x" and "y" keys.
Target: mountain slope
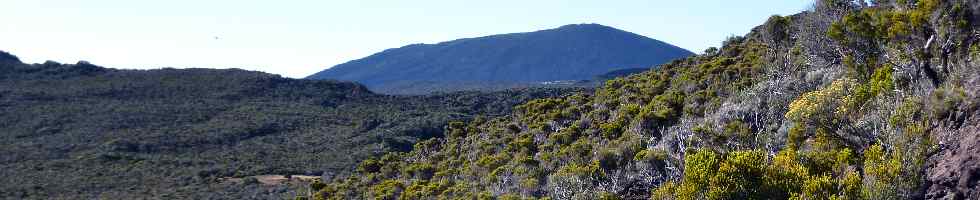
{"x": 846, "y": 101}
{"x": 571, "y": 52}
{"x": 86, "y": 132}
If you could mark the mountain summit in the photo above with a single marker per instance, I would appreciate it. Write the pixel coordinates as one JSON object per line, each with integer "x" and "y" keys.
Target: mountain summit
{"x": 570, "y": 52}
{"x": 8, "y": 58}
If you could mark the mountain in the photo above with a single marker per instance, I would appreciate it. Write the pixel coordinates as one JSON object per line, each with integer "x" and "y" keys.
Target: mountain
{"x": 571, "y": 52}
{"x": 849, "y": 100}
{"x": 8, "y": 58}
{"x": 81, "y": 131}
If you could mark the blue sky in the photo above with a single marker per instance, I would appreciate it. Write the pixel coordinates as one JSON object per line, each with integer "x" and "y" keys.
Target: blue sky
{"x": 296, "y": 38}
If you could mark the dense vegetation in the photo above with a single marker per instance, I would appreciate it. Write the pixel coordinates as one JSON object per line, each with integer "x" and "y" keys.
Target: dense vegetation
{"x": 85, "y": 132}
{"x": 571, "y": 52}
{"x": 848, "y": 100}
{"x": 620, "y": 73}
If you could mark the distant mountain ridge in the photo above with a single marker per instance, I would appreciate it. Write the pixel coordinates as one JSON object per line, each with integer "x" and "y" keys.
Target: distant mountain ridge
{"x": 8, "y": 58}
{"x": 570, "y": 52}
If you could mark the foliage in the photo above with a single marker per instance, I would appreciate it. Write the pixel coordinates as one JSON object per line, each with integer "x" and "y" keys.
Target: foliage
{"x": 753, "y": 175}
{"x": 560, "y": 147}
{"x": 781, "y": 113}
{"x": 83, "y": 131}
{"x": 821, "y": 107}
{"x": 852, "y": 122}
{"x": 678, "y": 130}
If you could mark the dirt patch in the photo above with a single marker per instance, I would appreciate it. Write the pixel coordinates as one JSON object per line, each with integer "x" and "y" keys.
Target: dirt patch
{"x": 954, "y": 173}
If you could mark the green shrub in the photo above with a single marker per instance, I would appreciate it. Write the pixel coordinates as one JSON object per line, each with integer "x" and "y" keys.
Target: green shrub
{"x": 706, "y": 133}
{"x": 735, "y": 173}
{"x": 881, "y": 81}
{"x": 613, "y": 129}
{"x": 491, "y": 162}
{"x": 923, "y": 10}
{"x": 882, "y": 174}
{"x": 317, "y": 185}
{"x": 945, "y": 101}
{"x": 369, "y": 166}
{"x": 795, "y": 136}
{"x": 822, "y": 107}
{"x": 754, "y": 175}
{"x": 530, "y": 183}
{"x": 648, "y": 155}
{"x": 584, "y": 171}
{"x": 566, "y": 136}
{"x": 422, "y": 171}
{"x": 738, "y": 129}
{"x": 456, "y": 129}
{"x": 975, "y": 49}
{"x": 522, "y": 144}
{"x": 907, "y": 112}
{"x": 858, "y": 24}
{"x": 778, "y": 27}
{"x": 608, "y": 196}
{"x": 608, "y": 159}
{"x": 387, "y": 190}
{"x": 580, "y": 150}
{"x": 509, "y": 197}
{"x": 667, "y": 191}
{"x": 699, "y": 168}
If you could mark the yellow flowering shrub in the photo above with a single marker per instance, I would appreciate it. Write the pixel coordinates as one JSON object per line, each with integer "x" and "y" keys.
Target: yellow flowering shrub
{"x": 810, "y": 107}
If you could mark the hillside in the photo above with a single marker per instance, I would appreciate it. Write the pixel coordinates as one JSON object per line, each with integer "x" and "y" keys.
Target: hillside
{"x": 86, "y": 132}
{"x": 571, "y": 52}
{"x": 620, "y": 73}
{"x": 848, "y": 100}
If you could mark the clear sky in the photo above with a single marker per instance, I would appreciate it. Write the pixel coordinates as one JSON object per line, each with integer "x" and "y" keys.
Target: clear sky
{"x": 296, "y": 38}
